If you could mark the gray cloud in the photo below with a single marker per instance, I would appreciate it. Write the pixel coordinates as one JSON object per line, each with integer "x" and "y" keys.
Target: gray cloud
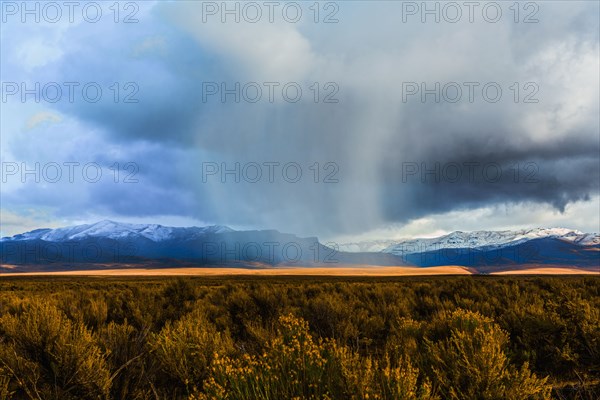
{"x": 370, "y": 135}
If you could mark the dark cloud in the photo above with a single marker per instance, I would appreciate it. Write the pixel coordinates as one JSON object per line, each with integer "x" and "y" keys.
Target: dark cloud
{"x": 370, "y": 136}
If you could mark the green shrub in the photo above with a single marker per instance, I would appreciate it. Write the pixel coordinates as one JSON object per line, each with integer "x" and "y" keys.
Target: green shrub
{"x": 127, "y": 356}
{"x": 49, "y": 357}
{"x": 296, "y": 366}
{"x": 466, "y": 358}
{"x": 185, "y": 349}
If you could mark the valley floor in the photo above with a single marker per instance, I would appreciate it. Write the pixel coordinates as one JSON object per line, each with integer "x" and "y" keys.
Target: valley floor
{"x": 364, "y": 270}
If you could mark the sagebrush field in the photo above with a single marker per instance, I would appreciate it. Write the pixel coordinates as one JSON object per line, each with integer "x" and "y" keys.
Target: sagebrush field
{"x": 300, "y": 338}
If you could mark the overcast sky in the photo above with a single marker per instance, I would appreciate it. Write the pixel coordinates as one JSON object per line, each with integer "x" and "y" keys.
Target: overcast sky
{"x": 374, "y": 120}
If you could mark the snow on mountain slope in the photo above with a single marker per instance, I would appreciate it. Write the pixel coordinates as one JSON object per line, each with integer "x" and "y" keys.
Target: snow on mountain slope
{"x": 158, "y": 233}
{"x": 491, "y": 240}
{"x": 115, "y": 230}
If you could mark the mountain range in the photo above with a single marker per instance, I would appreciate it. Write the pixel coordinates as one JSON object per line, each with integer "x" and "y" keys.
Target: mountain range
{"x": 107, "y": 243}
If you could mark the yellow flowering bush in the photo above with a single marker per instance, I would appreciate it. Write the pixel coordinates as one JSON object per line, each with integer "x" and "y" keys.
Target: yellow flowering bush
{"x": 185, "y": 349}
{"x": 466, "y": 354}
{"x": 296, "y": 366}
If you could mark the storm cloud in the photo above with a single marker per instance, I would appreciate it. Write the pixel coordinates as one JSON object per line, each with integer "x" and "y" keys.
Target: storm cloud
{"x": 399, "y": 119}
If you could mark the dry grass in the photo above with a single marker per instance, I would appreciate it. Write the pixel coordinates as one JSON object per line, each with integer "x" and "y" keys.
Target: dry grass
{"x": 549, "y": 271}
{"x": 363, "y": 270}
{"x": 341, "y": 270}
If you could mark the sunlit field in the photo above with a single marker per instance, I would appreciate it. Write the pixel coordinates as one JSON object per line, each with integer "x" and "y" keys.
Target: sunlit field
{"x": 253, "y": 337}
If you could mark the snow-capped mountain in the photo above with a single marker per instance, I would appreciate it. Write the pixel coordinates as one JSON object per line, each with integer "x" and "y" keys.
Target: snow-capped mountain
{"x": 110, "y": 243}
{"x": 116, "y": 230}
{"x": 486, "y": 240}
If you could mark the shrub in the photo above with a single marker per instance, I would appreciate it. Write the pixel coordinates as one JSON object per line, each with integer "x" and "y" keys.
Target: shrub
{"x": 296, "y": 366}
{"x": 466, "y": 358}
{"x": 185, "y": 349}
{"x": 127, "y": 355}
{"x": 47, "y": 356}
